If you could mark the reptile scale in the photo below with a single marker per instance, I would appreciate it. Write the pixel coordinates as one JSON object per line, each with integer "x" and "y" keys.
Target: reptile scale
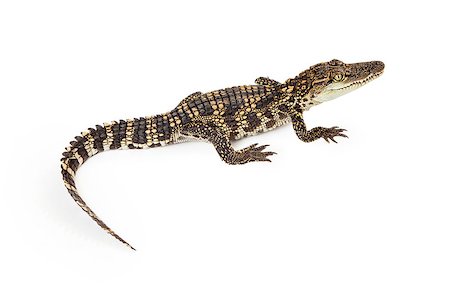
{"x": 221, "y": 116}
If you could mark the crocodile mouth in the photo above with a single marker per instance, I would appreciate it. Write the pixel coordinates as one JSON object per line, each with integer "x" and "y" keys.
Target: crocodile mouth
{"x": 358, "y": 83}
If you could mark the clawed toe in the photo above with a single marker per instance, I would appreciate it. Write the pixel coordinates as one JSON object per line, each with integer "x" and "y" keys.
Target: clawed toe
{"x": 255, "y": 153}
{"x": 332, "y": 132}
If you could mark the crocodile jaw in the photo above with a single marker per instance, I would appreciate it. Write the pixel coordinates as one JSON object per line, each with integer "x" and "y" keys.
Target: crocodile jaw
{"x": 336, "y": 90}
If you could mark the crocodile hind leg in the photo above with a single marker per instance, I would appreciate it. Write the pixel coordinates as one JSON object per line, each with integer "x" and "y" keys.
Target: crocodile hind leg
{"x": 213, "y": 134}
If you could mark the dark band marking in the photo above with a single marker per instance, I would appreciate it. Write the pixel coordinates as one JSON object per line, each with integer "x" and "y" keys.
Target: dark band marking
{"x": 67, "y": 177}
{"x": 253, "y": 122}
{"x": 164, "y": 130}
{"x": 139, "y": 135}
{"x": 99, "y": 135}
{"x": 270, "y": 124}
{"x": 82, "y": 152}
{"x": 119, "y": 131}
{"x": 73, "y": 164}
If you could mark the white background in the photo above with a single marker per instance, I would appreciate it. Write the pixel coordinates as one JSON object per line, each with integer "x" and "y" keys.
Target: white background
{"x": 368, "y": 218}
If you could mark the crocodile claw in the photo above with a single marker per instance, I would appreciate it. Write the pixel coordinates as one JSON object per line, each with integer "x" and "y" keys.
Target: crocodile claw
{"x": 255, "y": 153}
{"x": 332, "y": 132}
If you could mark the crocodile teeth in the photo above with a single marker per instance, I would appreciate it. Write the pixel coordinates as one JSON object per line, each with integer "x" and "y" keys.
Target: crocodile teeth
{"x": 361, "y": 82}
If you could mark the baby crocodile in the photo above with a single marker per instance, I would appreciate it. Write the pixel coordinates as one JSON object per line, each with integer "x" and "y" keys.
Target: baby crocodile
{"x": 222, "y": 116}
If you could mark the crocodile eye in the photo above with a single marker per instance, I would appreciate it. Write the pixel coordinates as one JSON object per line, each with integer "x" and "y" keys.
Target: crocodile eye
{"x": 338, "y": 77}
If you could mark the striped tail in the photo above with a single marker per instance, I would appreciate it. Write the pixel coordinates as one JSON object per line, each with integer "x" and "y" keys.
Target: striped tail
{"x": 131, "y": 134}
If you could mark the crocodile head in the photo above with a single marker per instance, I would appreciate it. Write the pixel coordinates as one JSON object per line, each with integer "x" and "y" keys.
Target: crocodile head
{"x": 332, "y": 79}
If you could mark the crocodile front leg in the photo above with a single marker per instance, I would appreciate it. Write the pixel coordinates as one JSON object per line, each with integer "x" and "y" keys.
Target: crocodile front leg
{"x": 316, "y": 133}
{"x": 212, "y": 133}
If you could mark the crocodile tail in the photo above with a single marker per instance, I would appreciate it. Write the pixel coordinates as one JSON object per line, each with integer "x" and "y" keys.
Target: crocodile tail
{"x": 137, "y": 133}
{"x": 131, "y": 134}
{"x": 81, "y": 149}
{"x": 68, "y": 173}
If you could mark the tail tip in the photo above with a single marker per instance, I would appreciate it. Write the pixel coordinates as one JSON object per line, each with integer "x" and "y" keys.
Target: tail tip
{"x": 129, "y": 246}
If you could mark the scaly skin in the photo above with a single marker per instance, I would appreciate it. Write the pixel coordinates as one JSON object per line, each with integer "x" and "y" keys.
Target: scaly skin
{"x": 222, "y": 116}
